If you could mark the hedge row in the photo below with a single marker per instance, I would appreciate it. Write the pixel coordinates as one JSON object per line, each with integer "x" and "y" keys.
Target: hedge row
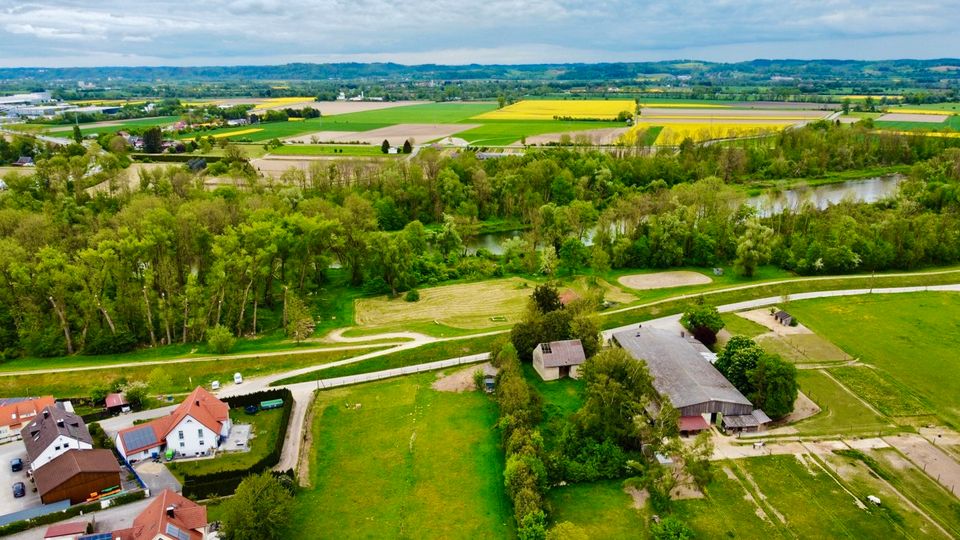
{"x": 225, "y": 482}
{"x": 171, "y": 158}
{"x": 75, "y": 510}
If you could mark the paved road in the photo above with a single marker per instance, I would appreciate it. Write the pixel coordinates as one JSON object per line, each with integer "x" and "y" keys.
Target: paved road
{"x": 115, "y": 423}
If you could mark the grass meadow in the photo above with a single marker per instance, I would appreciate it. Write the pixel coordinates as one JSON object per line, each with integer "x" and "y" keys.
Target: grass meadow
{"x": 397, "y": 459}
{"x": 913, "y": 340}
{"x": 840, "y": 411}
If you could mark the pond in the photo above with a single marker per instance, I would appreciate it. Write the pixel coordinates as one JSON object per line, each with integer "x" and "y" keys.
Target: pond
{"x": 770, "y": 203}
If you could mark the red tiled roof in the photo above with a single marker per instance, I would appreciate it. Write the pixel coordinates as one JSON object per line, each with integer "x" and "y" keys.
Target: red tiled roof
{"x": 115, "y": 400}
{"x": 65, "y": 529}
{"x": 568, "y": 295}
{"x": 14, "y": 412}
{"x": 693, "y": 423}
{"x": 201, "y": 405}
{"x": 187, "y": 516}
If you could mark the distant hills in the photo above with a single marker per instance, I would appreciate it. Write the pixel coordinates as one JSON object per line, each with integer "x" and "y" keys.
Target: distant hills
{"x": 923, "y": 72}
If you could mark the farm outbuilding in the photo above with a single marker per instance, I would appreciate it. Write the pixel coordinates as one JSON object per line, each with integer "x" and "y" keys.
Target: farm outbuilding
{"x": 77, "y": 474}
{"x": 558, "y": 359}
{"x": 684, "y": 375}
{"x": 783, "y": 318}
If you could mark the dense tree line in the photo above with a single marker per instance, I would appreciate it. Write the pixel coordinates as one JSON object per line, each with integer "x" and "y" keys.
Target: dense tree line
{"x": 162, "y": 263}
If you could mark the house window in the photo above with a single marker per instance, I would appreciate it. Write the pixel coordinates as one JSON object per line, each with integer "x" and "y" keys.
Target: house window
{"x": 56, "y": 447}
{"x": 201, "y": 443}
{"x": 182, "y": 444}
{"x": 200, "y": 432}
{"x": 181, "y": 434}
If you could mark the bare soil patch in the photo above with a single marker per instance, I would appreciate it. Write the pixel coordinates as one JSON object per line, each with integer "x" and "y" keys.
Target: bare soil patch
{"x": 639, "y": 497}
{"x": 461, "y": 380}
{"x": 333, "y": 108}
{"x": 751, "y": 115}
{"x": 416, "y": 133}
{"x": 663, "y": 280}
{"x": 325, "y": 137}
{"x": 603, "y": 136}
{"x": 764, "y": 318}
{"x": 908, "y": 117}
{"x": 931, "y": 459}
{"x": 803, "y": 407}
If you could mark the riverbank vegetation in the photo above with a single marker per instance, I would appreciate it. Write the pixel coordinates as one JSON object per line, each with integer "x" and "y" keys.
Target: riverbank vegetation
{"x": 115, "y": 270}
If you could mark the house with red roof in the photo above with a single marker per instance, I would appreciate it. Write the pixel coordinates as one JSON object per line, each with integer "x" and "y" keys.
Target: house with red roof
{"x": 16, "y": 412}
{"x": 195, "y": 428}
{"x": 169, "y": 516}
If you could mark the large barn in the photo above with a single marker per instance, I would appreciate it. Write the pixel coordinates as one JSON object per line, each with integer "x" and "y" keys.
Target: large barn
{"x": 76, "y": 475}
{"x": 683, "y": 373}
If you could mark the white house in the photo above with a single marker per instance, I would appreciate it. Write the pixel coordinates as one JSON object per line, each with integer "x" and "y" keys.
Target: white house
{"x": 53, "y": 432}
{"x": 195, "y": 428}
{"x": 558, "y": 359}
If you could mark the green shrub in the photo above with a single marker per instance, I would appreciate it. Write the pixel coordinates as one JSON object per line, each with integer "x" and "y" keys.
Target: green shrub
{"x": 412, "y": 295}
{"x": 220, "y": 340}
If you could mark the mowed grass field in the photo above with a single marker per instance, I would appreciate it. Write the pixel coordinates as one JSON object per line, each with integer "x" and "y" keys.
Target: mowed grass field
{"x": 331, "y": 150}
{"x": 409, "y": 462}
{"x": 840, "y": 411}
{"x": 479, "y": 305}
{"x": 913, "y": 338}
{"x": 553, "y": 109}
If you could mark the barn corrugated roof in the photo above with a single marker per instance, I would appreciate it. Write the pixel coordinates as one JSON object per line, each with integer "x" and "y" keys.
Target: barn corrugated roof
{"x": 679, "y": 368}
{"x": 562, "y": 353}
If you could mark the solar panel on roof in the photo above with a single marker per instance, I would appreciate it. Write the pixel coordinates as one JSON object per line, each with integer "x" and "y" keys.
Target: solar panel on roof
{"x": 545, "y": 347}
{"x": 139, "y": 438}
{"x": 175, "y": 532}
{"x": 97, "y": 536}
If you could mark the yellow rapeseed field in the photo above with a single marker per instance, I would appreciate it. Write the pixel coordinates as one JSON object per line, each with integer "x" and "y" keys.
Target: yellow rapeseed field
{"x": 222, "y": 135}
{"x": 674, "y": 134}
{"x": 935, "y": 112}
{"x": 724, "y": 119}
{"x": 682, "y": 105}
{"x": 280, "y": 102}
{"x": 548, "y": 109}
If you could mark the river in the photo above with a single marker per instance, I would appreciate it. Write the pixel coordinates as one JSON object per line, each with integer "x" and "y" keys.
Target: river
{"x": 770, "y": 203}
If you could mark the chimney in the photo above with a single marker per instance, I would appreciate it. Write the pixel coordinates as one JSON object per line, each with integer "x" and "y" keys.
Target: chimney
{"x": 198, "y": 403}
{"x": 46, "y": 413}
{"x": 170, "y": 510}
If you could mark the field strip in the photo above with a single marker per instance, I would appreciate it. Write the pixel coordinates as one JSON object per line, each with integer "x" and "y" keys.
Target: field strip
{"x": 855, "y": 396}
{"x": 783, "y": 282}
{"x": 313, "y": 350}
{"x": 750, "y": 496}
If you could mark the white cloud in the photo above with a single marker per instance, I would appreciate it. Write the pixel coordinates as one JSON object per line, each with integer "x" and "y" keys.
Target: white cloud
{"x": 34, "y": 32}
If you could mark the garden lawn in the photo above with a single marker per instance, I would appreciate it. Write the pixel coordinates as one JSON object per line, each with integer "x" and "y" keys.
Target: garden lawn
{"x": 478, "y": 305}
{"x": 266, "y": 426}
{"x": 913, "y": 338}
{"x": 840, "y": 411}
{"x": 601, "y": 509}
{"x": 184, "y": 376}
{"x": 396, "y": 459}
{"x": 431, "y": 352}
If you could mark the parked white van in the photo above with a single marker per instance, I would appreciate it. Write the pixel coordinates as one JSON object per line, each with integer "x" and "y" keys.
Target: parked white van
{"x": 237, "y": 378}
{"x": 215, "y": 385}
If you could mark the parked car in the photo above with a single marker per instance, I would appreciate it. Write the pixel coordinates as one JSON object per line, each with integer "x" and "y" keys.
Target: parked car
{"x": 16, "y": 464}
{"x": 237, "y": 378}
{"x": 215, "y": 385}
{"x": 19, "y": 490}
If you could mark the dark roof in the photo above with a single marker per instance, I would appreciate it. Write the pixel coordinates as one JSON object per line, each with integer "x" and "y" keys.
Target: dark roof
{"x": 680, "y": 367}
{"x": 757, "y": 418}
{"x": 50, "y": 423}
{"x": 71, "y": 463}
{"x": 562, "y": 353}
{"x": 781, "y": 315}
{"x": 141, "y": 437}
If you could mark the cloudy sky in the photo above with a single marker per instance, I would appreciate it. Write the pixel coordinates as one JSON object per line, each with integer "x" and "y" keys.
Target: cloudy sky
{"x": 206, "y": 32}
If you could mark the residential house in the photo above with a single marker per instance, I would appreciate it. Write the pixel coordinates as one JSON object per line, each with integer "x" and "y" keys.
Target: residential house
{"x": 78, "y": 475}
{"x": 23, "y": 161}
{"x": 195, "y": 428}
{"x": 169, "y": 517}
{"x": 14, "y": 412}
{"x": 54, "y": 432}
{"x": 558, "y": 359}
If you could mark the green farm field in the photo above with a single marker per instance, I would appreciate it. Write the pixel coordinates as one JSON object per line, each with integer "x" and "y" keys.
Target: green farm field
{"x": 397, "y": 459}
{"x": 952, "y": 123}
{"x": 331, "y": 150}
{"x": 914, "y": 340}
